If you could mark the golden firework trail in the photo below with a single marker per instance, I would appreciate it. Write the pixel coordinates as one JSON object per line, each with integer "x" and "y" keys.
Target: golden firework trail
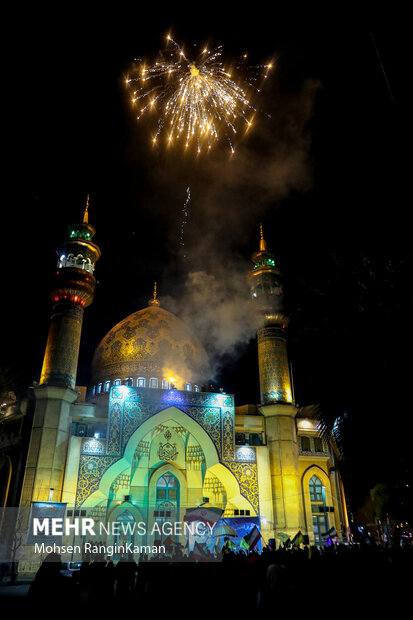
{"x": 197, "y": 101}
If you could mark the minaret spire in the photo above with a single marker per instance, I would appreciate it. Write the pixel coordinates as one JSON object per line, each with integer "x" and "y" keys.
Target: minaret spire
{"x": 263, "y": 245}
{"x": 86, "y": 213}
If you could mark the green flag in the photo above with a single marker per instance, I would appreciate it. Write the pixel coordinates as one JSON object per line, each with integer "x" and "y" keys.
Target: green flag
{"x": 298, "y": 539}
{"x": 228, "y": 544}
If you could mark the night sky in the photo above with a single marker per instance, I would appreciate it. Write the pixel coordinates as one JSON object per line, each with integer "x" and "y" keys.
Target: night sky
{"x": 324, "y": 169}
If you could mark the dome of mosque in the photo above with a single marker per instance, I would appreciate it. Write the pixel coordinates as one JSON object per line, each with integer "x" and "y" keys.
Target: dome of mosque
{"x": 150, "y": 348}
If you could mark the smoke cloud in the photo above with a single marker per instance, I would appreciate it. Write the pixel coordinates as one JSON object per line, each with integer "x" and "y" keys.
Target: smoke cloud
{"x": 218, "y": 311}
{"x": 229, "y": 197}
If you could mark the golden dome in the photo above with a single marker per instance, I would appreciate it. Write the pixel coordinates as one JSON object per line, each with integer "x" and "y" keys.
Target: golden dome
{"x": 151, "y": 343}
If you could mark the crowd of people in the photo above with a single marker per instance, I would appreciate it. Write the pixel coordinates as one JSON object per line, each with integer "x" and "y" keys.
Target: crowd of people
{"x": 309, "y": 579}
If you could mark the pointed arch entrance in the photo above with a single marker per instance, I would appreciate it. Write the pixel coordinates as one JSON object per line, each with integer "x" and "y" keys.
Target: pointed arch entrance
{"x": 316, "y": 489}
{"x": 163, "y": 469}
{"x": 125, "y": 463}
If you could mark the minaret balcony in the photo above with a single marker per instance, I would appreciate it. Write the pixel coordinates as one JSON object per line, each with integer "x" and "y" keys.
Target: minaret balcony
{"x": 76, "y": 262}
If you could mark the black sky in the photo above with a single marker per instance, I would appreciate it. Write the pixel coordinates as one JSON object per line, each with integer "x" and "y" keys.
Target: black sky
{"x": 340, "y": 231}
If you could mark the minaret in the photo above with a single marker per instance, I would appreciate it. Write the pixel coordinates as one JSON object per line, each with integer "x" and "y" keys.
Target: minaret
{"x": 282, "y": 507}
{"x": 73, "y": 290}
{"x": 267, "y": 295}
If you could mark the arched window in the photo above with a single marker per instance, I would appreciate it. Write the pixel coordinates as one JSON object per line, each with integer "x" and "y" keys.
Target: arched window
{"x": 140, "y": 382}
{"x": 318, "y": 512}
{"x": 305, "y": 444}
{"x": 196, "y": 388}
{"x": 117, "y": 382}
{"x": 128, "y": 381}
{"x": 99, "y": 388}
{"x": 167, "y": 487}
{"x": 167, "y": 499}
{"x": 153, "y": 382}
{"x": 316, "y": 489}
{"x": 188, "y": 387}
{"x": 93, "y": 390}
{"x": 165, "y": 384}
{"x": 107, "y": 386}
{"x": 69, "y": 261}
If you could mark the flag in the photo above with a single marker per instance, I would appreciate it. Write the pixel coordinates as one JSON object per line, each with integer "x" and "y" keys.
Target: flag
{"x": 206, "y": 515}
{"x": 244, "y": 545}
{"x": 331, "y": 533}
{"x": 253, "y": 537}
{"x": 228, "y": 544}
{"x": 284, "y": 539}
{"x": 298, "y": 539}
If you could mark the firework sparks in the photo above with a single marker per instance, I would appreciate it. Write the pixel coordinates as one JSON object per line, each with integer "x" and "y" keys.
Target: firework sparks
{"x": 185, "y": 211}
{"x": 197, "y": 101}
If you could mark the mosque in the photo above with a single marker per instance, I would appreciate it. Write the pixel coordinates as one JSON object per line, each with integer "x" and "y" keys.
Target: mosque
{"x": 147, "y": 440}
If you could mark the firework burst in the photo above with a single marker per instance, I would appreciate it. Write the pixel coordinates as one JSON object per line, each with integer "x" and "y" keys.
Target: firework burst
{"x": 197, "y": 101}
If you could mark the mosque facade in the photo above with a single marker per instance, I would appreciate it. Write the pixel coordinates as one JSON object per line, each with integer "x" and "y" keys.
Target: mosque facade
{"x": 147, "y": 440}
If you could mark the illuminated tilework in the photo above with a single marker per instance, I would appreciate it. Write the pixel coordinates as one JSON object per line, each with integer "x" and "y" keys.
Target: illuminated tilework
{"x": 91, "y": 470}
{"x": 246, "y": 474}
{"x": 93, "y": 446}
{"x": 130, "y": 407}
{"x": 275, "y": 384}
{"x": 245, "y": 454}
